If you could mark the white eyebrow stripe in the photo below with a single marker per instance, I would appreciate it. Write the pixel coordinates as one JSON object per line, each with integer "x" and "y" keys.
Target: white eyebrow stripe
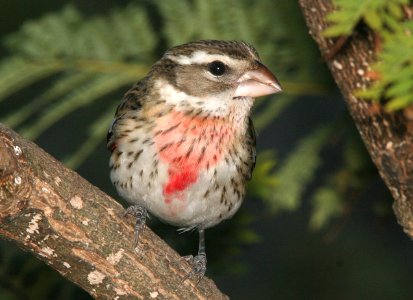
{"x": 201, "y": 57}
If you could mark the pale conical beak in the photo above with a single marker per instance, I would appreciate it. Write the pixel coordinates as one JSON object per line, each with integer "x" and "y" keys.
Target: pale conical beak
{"x": 258, "y": 82}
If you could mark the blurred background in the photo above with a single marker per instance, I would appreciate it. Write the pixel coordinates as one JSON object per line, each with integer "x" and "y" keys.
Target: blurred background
{"x": 317, "y": 222}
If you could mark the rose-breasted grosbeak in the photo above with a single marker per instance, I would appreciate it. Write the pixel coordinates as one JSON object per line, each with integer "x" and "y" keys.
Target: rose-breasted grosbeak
{"x": 182, "y": 142}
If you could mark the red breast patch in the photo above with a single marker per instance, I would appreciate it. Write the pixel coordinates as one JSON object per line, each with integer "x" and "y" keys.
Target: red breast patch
{"x": 188, "y": 145}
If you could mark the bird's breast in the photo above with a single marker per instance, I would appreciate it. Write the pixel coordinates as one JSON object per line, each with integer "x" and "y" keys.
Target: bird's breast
{"x": 190, "y": 144}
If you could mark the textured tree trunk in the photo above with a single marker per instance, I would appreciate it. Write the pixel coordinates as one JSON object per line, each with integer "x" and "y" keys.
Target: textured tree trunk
{"x": 387, "y": 136}
{"x": 78, "y": 230}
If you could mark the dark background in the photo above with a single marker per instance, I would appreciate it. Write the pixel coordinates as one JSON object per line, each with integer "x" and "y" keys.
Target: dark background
{"x": 364, "y": 255}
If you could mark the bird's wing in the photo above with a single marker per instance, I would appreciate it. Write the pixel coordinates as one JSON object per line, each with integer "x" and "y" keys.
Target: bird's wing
{"x": 131, "y": 103}
{"x": 251, "y": 141}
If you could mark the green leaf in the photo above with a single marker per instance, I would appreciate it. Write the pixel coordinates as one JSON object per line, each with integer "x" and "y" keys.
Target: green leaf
{"x": 376, "y": 13}
{"x": 373, "y": 93}
{"x": 395, "y": 10}
{"x": 298, "y": 170}
{"x": 399, "y": 102}
{"x": 263, "y": 180}
{"x": 85, "y": 95}
{"x": 400, "y": 88}
{"x": 16, "y": 74}
{"x": 337, "y": 30}
{"x": 395, "y": 66}
{"x": 327, "y": 203}
{"x": 373, "y": 19}
{"x": 61, "y": 87}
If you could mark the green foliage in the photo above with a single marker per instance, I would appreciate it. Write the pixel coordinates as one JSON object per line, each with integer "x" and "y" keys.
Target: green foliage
{"x": 264, "y": 180}
{"x": 327, "y": 203}
{"x": 68, "y": 37}
{"x": 377, "y": 14}
{"x": 395, "y": 68}
{"x": 83, "y": 63}
{"x": 287, "y": 187}
{"x": 334, "y": 197}
{"x": 394, "y": 86}
{"x": 298, "y": 170}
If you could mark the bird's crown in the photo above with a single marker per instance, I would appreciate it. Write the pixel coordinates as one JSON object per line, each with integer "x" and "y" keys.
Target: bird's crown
{"x": 238, "y": 50}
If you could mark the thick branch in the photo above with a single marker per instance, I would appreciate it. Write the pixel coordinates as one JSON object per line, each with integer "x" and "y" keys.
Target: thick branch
{"x": 78, "y": 230}
{"x": 387, "y": 136}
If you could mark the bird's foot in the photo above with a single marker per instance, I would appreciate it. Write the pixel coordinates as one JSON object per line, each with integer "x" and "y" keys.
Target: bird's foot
{"x": 198, "y": 264}
{"x": 140, "y": 213}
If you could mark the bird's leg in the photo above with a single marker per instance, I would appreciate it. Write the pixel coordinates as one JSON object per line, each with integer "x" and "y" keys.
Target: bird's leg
{"x": 140, "y": 213}
{"x": 198, "y": 262}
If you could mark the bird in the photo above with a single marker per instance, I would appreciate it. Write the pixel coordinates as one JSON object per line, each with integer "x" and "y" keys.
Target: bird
{"x": 182, "y": 141}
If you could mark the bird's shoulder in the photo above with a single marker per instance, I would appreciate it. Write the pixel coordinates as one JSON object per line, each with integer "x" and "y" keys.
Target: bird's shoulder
{"x": 130, "y": 106}
{"x": 134, "y": 98}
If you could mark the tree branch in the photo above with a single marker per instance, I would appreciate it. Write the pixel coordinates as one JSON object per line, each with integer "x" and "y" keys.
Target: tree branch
{"x": 387, "y": 136}
{"x": 78, "y": 230}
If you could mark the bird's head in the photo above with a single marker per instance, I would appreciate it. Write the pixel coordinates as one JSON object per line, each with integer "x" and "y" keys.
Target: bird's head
{"x": 216, "y": 77}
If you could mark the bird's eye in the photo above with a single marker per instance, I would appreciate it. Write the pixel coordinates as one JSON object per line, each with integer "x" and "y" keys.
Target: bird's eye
{"x": 217, "y": 68}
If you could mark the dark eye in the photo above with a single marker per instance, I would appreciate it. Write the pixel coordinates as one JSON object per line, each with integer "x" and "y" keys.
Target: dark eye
{"x": 217, "y": 68}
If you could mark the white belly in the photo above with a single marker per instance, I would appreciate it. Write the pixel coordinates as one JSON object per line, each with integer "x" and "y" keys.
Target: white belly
{"x": 206, "y": 202}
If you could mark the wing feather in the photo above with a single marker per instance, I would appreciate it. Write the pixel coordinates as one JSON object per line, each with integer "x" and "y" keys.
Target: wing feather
{"x": 132, "y": 102}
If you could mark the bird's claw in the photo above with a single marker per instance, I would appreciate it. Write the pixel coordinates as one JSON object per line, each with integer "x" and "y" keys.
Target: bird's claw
{"x": 198, "y": 264}
{"x": 140, "y": 213}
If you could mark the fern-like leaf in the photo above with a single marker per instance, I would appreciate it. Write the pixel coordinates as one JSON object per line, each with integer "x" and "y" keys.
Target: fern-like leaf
{"x": 85, "y": 95}
{"x": 327, "y": 203}
{"x": 394, "y": 63}
{"x": 298, "y": 170}
{"x": 395, "y": 70}
{"x": 375, "y": 13}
